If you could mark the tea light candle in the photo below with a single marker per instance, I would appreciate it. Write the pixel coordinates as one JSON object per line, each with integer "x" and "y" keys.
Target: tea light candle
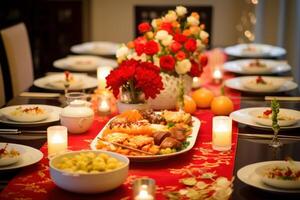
{"x": 144, "y": 189}
{"x": 57, "y": 138}
{"x": 217, "y": 75}
{"x": 104, "y": 106}
{"x": 221, "y": 133}
{"x": 102, "y": 73}
{"x": 196, "y": 82}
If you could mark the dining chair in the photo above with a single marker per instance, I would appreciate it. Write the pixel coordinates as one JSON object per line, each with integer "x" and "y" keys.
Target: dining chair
{"x": 2, "y": 89}
{"x": 19, "y": 58}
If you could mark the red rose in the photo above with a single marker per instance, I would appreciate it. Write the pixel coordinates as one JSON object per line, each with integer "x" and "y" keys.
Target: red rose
{"x": 167, "y": 26}
{"x": 196, "y": 70}
{"x": 175, "y": 46}
{"x": 180, "y": 55}
{"x": 144, "y": 27}
{"x": 190, "y": 45}
{"x": 151, "y": 48}
{"x": 139, "y": 45}
{"x": 167, "y": 62}
{"x": 203, "y": 59}
{"x": 180, "y": 38}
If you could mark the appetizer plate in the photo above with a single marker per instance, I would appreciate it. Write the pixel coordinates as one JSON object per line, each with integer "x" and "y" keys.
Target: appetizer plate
{"x": 248, "y": 175}
{"x": 96, "y": 48}
{"x": 191, "y": 139}
{"x": 247, "y": 84}
{"x": 254, "y": 50}
{"x": 26, "y": 113}
{"x": 83, "y": 63}
{"x": 270, "y": 66}
{"x": 244, "y": 116}
{"x": 53, "y": 115}
{"x": 56, "y": 82}
{"x": 13, "y": 157}
{"x": 28, "y": 156}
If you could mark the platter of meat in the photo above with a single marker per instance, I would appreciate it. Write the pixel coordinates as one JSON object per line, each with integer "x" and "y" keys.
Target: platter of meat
{"x": 148, "y": 135}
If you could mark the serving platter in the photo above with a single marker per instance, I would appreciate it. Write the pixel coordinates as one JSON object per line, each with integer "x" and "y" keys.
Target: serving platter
{"x": 191, "y": 139}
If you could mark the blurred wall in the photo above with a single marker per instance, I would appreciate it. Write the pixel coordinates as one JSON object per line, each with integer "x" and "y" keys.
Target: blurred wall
{"x": 113, "y": 20}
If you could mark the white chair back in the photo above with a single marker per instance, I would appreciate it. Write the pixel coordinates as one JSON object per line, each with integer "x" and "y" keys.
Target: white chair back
{"x": 19, "y": 57}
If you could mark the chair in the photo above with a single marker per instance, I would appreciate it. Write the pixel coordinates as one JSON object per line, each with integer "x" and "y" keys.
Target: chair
{"x": 19, "y": 58}
{"x": 2, "y": 89}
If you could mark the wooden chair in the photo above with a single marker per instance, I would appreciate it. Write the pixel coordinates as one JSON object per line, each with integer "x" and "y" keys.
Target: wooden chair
{"x": 19, "y": 58}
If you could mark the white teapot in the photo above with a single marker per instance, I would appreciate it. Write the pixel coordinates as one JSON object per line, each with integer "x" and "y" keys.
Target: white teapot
{"x": 77, "y": 117}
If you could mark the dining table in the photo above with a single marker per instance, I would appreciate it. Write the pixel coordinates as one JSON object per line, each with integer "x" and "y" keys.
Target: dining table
{"x": 249, "y": 145}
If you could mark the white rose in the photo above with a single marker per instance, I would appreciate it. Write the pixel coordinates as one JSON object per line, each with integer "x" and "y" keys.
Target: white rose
{"x": 154, "y": 24}
{"x": 156, "y": 60}
{"x": 192, "y": 21}
{"x": 203, "y": 35}
{"x": 181, "y": 11}
{"x": 161, "y": 35}
{"x": 122, "y": 52}
{"x": 136, "y": 57}
{"x": 170, "y": 16}
{"x": 167, "y": 41}
{"x": 183, "y": 66}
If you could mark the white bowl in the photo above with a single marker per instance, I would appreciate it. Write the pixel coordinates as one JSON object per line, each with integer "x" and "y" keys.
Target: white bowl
{"x": 295, "y": 115}
{"x": 89, "y": 183}
{"x": 77, "y": 125}
{"x": 278, "y": 183}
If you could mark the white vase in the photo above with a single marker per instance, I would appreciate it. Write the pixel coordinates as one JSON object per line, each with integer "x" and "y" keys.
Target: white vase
{"x": 167, "y": 99}
{"x": 129, "y": 106}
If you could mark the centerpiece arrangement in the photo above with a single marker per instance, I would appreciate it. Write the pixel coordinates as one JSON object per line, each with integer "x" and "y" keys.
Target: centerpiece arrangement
{"x": 158, "y": 66}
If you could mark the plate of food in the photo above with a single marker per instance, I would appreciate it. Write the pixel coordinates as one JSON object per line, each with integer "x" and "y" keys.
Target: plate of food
{"x": 83, "y": 63}
{"x": 261, "y": 84}
{"x": 22, "y": 155}
{"x": 254, "y": 50}
{"x": 76, "y": 81}
{"x": 249, "y": 116}
{"x": 148, "y": 135}
{"x": 96, "y": 48}
{"x": 29, "y": 114}
{"x": 257, "y": 66}
{"x": 256, "y": 175}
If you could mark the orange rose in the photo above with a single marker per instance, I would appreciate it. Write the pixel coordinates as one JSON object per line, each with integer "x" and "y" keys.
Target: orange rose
{"x": 186, "y": 32}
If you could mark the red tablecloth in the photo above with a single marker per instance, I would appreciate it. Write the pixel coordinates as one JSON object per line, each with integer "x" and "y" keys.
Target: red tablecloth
{"x": 34, "y": 181}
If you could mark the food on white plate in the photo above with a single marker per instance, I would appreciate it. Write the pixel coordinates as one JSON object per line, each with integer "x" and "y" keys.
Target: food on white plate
{"x": 67, "y": 81}
{"x": 254, "y": 49}
{"x": 257, "y": 63}
{"x": 262, "y": 84}
{"x": 88, "y": 162}
{"x": 82, "y": 61}
{"x": 256, "y": 66}
{"x": 267, "y": 114}
{"x": 8, "y": 156}
{"x": 151, "y": 133}
{"x": 27, "y": 113}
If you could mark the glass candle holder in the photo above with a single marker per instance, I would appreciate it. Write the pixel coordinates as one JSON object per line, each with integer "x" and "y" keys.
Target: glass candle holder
{"x": 196, "y": 83}
{"x": 217, "y": 75}
{"x": 104, "y": 103}
{"x": 222, "y": 133}
{"x": 102, "y": 73}
{"x": 71, "y": 96}
{"x": 144, "y": 189}
{"x": 57, "y": 139}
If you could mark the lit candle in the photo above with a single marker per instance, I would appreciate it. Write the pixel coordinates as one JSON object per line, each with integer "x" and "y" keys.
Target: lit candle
{"x": 196, "y": 82}
{"x": 102, "y": 73}
{"x": 217, "y": 75}
{"x": 57, "y": 138}
{"x": 104, "y": 103}
{"x": 221, "y": 133}
{"x": 144, "y": 189}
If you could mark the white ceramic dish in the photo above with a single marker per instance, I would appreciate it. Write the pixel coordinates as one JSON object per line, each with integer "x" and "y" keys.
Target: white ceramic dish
{"x": 28, "y": 156}
{"x": 89, "y": 183}
{"x": 56, "y": 82}
{"x": 248, "y": 175}
{"x": 8, "y": 160}
{"x": 96, "y": 48}
{"x": 17, "y": 113}
{"x": 294, "y": 116}
{"x": 275, "y": 182}
{"x": 53, "y": 115}
{"x": 239, "y": 83}
{"x": 243, "y": 116}
{"x": 254, "y": 50}
{"x": 242, "y": 67}
{"x": 83, "y": 63}
{"x": 192, "y": 140}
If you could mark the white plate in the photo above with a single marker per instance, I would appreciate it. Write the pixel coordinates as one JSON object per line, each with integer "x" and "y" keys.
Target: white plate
{"x": 28, "y": 156}
{"x": 15, "y": 113}
{"x": 242, "y": 67}
{"x": 96, "y": 48}
{"x": 192, "y": 140}
{"x": 248, "y": 175}
{"x": 243, "y": 116}
{"x": 239, "y": 82}
{"x": 56, "y": 82}
{"x": 53, "y": 115}
{"x": 258, "y": 50}
{"x": 83, "y": 63}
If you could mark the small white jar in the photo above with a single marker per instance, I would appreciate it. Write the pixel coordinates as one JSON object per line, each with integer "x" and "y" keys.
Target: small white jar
{"x": 77, "y": 117}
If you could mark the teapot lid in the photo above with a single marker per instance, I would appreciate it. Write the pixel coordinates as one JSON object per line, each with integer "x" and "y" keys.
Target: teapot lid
{"x": 77, "y": 108}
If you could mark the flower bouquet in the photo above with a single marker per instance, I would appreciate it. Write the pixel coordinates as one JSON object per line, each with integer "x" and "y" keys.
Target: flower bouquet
{"x": 172, "y": 49}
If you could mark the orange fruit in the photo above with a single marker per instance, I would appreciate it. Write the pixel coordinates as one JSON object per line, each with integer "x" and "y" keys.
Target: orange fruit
{"x": 221, "y": 105}
{"x": 189, "y": 104}
{"x": 203, "y": 97}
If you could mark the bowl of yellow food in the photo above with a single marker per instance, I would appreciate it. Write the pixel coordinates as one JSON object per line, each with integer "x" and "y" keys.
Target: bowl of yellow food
{"x": 89, "y": 171}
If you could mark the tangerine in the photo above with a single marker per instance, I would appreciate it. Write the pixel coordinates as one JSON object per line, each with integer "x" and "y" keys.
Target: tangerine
{"x": 222, "y": 105}
{"x": 189, "y": 105}
{"x": 203, "y": 97}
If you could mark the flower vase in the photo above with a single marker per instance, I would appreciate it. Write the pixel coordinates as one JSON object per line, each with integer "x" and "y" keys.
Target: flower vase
{"x": 168, "y": 97}
{"x": 130, "y": 106}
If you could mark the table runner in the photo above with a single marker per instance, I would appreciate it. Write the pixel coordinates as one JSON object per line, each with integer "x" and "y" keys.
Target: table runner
{"x": 34, "y": 182}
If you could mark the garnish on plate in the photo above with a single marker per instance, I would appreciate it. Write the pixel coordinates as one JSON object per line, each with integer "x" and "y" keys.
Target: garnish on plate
{"x": 5, "y": 153}
{"x": 257, "y": 63}
{"x": 260, "y": 80}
